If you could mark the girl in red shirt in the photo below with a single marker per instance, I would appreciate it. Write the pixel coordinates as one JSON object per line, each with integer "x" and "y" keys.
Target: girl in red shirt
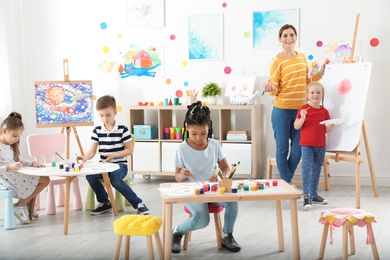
{"x": 312, "y": 142}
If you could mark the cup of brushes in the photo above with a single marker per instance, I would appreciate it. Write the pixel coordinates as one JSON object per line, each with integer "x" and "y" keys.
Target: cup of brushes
{"x": 227, "y": 181}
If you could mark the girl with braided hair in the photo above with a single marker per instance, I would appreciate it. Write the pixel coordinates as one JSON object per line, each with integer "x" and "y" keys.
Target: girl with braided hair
{"x": 196, "y": 157}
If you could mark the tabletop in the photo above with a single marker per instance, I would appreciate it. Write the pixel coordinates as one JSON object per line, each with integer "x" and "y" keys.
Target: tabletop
{"x": 184, "y": 192}
{"x": 88, "y": 168}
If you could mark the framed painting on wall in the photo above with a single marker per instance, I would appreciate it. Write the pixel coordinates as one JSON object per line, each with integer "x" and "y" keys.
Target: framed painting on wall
{"x": 145, "y": 13}
{"x": 266, "y": 25}
{"x": 63, "y": 103}
{"x": 205, "y": 37}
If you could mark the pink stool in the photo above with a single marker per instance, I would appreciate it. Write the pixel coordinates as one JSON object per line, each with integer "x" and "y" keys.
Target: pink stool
{"x": 347, "y": 218}
{"x": 213, "y": 209}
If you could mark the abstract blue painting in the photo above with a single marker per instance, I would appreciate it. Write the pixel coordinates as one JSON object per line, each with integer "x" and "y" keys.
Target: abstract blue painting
{"x": 205, "y": 37}
{"x": 266, "y": 25}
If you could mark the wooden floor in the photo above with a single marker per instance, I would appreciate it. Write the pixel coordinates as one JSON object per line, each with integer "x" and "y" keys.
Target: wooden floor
{"x": 92, "y": 237}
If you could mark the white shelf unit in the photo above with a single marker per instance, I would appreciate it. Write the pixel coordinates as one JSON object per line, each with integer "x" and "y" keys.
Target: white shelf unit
{"x": 156, "y": 156}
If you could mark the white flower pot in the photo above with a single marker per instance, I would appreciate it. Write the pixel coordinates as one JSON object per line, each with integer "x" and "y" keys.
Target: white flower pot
{"x": 211, "y": 100}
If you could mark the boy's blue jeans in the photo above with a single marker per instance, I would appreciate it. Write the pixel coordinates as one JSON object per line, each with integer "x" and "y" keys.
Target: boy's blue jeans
{"x": 288, "y": 151}
{"x": 116, "y": 179}
{"x": 312, "y": 161}
{"x": 201, "y": 217}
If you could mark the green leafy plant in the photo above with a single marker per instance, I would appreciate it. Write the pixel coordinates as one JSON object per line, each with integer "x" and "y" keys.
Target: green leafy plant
{"x": 211, "y": 89}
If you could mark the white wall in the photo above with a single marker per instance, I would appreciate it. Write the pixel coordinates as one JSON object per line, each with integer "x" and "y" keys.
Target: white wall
{"x": 51, "y": 31}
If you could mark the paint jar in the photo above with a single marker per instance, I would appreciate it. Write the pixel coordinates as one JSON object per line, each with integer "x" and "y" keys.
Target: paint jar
{"x": 197, "y": 191}
{"x": 246, "y": 186}
{"x": 61, "y": 166}
{"x": 234, "y": 190}
{"x": 275, "y": 183}
{"x": 221, "y": 190}
{"x": 205, "y": 187}
{"x": 214, "y": 187}
{"x": 53, "y": 164}
{"x": 201, "y": 191}
{"x": 262, "y": 186}
{"x": 66, "y": 168}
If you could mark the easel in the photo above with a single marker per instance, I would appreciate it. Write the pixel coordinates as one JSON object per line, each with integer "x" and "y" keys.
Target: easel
{"x": 69, "y": 128}
{"x": 355, "y": 155}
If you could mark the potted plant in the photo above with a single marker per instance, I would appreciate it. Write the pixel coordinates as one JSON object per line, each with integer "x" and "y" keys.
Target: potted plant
{"x": 211, "y": 91}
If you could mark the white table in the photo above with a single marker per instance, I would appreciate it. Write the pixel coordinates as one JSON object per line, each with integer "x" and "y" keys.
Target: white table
{"x": 88, "y": 169}
{"x": 284, "y": 191}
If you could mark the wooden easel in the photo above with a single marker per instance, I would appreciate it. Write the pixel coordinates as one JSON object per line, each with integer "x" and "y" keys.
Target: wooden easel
{"x": 69, "y": 128}
{"x": 355, "y": 155}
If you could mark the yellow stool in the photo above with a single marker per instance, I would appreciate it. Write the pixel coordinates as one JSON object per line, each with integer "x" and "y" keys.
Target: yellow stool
{"x": 137, "y": 225}
{"x": 347, "y": 218}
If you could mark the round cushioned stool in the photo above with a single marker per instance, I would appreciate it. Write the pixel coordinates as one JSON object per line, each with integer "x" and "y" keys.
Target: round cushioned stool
{"x": 347, "y": 218}
{"x": 137, "y": 225}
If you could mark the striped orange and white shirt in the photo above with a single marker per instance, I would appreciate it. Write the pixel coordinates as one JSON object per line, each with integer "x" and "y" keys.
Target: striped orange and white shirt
{"x": 291, "y": 77}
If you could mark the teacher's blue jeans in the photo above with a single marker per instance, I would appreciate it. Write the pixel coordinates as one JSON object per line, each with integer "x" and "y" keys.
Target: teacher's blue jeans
{"x": 288, "y": 151}
{"x": 116, "y": 179}
{"x": 201, "y": 217}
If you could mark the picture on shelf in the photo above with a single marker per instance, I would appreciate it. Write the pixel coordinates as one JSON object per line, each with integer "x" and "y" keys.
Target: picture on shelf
{"x": 63, "y": 103}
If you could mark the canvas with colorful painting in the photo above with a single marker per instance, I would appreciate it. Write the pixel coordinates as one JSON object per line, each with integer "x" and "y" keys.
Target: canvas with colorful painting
{"x": 63, "y": 103}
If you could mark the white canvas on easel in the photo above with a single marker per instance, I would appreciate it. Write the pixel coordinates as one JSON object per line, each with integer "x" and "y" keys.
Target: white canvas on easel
{"x": 349, "y": 106}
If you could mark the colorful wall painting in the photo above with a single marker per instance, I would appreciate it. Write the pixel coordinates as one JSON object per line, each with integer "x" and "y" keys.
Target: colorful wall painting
{"x": 63, "y": 103}
{"x": 205, "y": 37}
{"x": 142, "y": 61}
{"x": 266, "y": 25}
{"x": 145, "y": 13}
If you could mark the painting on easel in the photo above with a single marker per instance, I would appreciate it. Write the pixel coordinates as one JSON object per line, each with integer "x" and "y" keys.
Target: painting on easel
{"x": 63, "y": 103}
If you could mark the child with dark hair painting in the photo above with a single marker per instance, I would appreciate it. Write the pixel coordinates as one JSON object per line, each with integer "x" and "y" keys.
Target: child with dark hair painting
{"x": 26, "y": 186}
{"x": 197, "y": 156}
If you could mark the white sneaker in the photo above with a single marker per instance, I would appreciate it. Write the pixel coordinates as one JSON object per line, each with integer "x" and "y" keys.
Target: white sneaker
{"x": 22, "y": 214}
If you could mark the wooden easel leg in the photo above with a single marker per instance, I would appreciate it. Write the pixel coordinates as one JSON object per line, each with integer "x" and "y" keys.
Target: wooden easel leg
{"x": 78, "y": 140}
{"x": 357, "y": 171}
{"x": 370, "y": 164}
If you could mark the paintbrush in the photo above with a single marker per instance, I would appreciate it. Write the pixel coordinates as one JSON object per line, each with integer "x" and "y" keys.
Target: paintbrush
{"x": 234, "y": 168}
{"x": 60, "y": 156}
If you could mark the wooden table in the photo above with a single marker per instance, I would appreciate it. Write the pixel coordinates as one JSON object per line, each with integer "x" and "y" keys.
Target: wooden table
{"x": 88, "y": 169}
{"x": 172, "y": 193}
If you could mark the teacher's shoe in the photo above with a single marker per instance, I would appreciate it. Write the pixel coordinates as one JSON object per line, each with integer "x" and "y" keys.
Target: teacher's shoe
{"x": 21, "y": 214}
{"x": 176, "y": 242}
{"x": 230, "y": 244}
{"x": 102, "y": 208}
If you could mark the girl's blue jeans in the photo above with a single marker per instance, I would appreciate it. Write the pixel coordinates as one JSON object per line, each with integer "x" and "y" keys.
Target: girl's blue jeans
{"x": 201, "y": 217}
{"x": 116, "y": 179}
{"x": 312, "y": 161}
{"x": 288, "y": 151}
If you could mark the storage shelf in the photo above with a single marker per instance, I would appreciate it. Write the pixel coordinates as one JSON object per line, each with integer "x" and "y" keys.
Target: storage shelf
{"x": 149, "y": 154}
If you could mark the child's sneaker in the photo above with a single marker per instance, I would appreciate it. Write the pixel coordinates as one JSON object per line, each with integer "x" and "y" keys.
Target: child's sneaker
{"x": 319, "y": 200}
{"x": 306, "y": 202}
{"x": 142, "y": 209}
{"x": 230, "y": 244}
{"x": 22, "y": 214}
{"x": 176, "y": 242}
{"x": 102, "y": 208}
